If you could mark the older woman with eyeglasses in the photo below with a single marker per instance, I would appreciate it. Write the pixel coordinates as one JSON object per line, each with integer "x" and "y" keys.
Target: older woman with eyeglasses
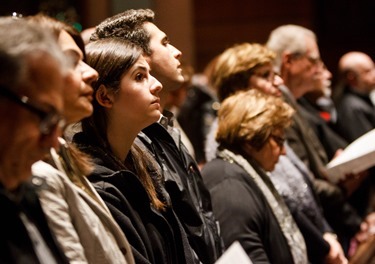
{"x": 249, "y": 209}
{"x": 82, "y": 223}
{"x": 249, "y": 66}
{"x": 242, "y": 67}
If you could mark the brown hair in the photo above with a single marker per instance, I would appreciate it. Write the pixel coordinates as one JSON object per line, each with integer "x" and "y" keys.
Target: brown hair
{"x": 112, "y": 58}
{"x": 56, "y": 26}
{"x": 250, "y": 117}
{"x": 235, "y": 65}
{"x": 127, "y": 25}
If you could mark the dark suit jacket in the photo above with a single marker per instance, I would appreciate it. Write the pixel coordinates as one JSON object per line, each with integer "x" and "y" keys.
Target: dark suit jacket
{"x": 244, "y": 213}
{"x": 302, "y": 139}
{"x": 15, "y": 243}
{"x": 190, "y": 197}
{"x": 331, "y": 141}
{"x": 356, "y": 115}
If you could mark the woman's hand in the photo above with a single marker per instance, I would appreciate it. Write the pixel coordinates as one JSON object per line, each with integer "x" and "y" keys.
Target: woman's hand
{"x": 335, "y": 254}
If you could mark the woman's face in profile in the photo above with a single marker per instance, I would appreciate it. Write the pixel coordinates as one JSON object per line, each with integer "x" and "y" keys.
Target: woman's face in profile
{"x": 137, "y": 101}
{"x": 266, "y": 80}
{"x": 78, "y": 91}
{"x": 269, "y": 154}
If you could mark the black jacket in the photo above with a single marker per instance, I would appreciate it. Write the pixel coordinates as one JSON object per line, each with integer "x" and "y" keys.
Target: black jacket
{"x": 15, "y": 243}
{"x": 244, "y": 213}
{"x": 196, "y": 116}
{"x": 355, "y": 115}
{"x": 331, "y": 141}
{"x": 190, "y": 197}
{"x": 155, "y": 237}
{"x": 302, "y": 139}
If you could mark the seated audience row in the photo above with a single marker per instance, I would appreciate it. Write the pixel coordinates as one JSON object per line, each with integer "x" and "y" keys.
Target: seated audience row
{"x": 81, "y": 221}
{"x": 94, "y": 170}
{"x": 255, "y": 71}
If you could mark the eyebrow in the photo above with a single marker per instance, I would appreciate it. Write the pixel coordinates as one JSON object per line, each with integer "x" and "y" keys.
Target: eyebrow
{"x": 74, "y": 53}
{"x": 165, "y": 38}
{"x": 140, "y": 67}
{"x": 143, "y": 68}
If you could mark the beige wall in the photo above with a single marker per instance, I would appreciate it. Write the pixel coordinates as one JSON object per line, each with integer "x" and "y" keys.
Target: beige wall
{"x": 95, "y": 11}
{"x": 176, "y": 19}
{"x": 173, "y": 17}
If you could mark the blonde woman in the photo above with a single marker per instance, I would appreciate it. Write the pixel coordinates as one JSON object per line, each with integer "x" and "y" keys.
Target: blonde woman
{"x": 241, "y": 67}
{"x": 249, "y": 209}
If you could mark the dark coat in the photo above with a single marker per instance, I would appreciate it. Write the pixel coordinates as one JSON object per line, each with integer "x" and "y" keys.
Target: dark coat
{"x": 356, "y": 115}
{"x": 292, "y": 180}
{"x": 15, "y": 243}
{"x": 155, "y": 237}
{"x": 190, "y": 197}
{"x": 360, "y": 119}
{"x": 244, "y": 213}
{"x": 330, "y": 139}
{"x": 341, "y": 216}
{"x": 196, "y": 116}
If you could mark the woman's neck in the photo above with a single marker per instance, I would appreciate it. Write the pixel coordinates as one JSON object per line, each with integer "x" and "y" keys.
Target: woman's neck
{"x": 121, "y": 138}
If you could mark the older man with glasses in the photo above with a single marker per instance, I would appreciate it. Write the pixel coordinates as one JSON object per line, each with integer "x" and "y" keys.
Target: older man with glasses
{"x": 298, "y": 61}
{"x": 31, "y": 104}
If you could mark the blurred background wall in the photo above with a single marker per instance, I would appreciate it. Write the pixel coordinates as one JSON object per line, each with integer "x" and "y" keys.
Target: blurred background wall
{"x": 202, "y": 29}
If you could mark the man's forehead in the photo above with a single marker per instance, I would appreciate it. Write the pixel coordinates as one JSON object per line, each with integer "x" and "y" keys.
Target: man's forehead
{"x": 154, "y": 31}
{"x": 312, "y": 47}
{"x": 357, "y": 62}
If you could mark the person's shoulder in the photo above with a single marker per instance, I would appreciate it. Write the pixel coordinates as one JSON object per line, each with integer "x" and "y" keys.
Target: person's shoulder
{"x": 219, "y": 164}
{"x": 351, "y": 103}
{"x": 350, "y": 96}
{"x": 41, "y": 168}
{"x": 47, "y": 174}
{"x": 124, "y": 183}
{"x": 218, "y": 170}
{"x": 51, "y": 183}
{"x": 106, "y": 177}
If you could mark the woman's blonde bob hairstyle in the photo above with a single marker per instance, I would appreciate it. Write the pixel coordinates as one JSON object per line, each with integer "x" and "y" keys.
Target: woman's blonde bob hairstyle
{"x": 250, "y": 117}
{"x": 235, "y": 65}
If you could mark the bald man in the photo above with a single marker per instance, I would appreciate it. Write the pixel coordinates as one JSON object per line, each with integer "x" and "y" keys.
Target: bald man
{"x": 356, "y": 112}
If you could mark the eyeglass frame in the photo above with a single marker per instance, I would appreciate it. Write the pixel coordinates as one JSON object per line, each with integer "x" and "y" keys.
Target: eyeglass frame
{"x": 271, "y": 75}
{"x": 49, "y": 120}
{"x": 280, "y": 141}
{"x": 316, "y": 61}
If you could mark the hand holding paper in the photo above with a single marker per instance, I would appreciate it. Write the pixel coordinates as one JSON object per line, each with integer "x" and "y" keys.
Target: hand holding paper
{"x": 355, "y": 158}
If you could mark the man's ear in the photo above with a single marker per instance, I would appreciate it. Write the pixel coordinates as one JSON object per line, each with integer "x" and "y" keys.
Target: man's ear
{"x": 351, "y": 78}
{"x": 286, "y": 59}
{"x": 104, "y": 97}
